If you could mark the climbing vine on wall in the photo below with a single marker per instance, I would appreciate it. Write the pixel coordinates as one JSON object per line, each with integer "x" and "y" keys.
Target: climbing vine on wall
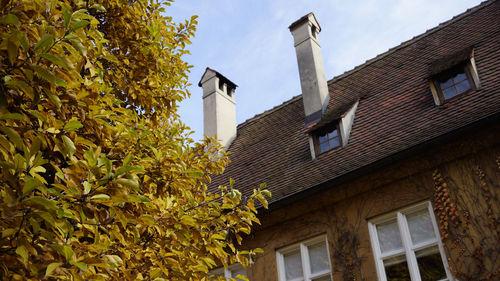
{"x": 346, "y": 243}
{"x": 469, "y": 221}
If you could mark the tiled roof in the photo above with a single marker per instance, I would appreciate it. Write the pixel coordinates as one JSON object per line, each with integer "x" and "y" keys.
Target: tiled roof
{"x": 396, "y": 110}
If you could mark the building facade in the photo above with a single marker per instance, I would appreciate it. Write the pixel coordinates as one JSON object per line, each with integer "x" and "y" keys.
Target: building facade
{"x": 389, "y": 171}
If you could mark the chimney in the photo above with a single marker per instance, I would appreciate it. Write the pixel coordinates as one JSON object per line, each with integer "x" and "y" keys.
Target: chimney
{"x": 311, "y": 70}
{"x": 219, "y": 110}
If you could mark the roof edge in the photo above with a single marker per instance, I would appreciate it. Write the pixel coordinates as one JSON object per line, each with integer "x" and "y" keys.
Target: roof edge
{"x": 293, "y": 197}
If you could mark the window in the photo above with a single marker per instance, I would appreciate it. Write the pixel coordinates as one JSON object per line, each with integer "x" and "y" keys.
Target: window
{"x": 327, "y": 139}
{"x": 453, "y": 76}
{"x": 407, "y": 246}
{"x": 453, "y": 82}
{"x": 231, "y": 272}
{"x": 306, "y": 261}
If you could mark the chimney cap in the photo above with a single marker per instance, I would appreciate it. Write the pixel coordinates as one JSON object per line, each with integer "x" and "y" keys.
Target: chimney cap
{"x": 303, "y": 19}
{"x": 218, "y": 75}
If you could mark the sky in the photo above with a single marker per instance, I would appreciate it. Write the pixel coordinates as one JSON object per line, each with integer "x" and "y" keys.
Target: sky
{"x": 249, "y": 43}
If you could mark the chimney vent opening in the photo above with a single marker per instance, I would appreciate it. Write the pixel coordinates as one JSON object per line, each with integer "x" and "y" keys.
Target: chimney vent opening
{"x": 314, "y": 31}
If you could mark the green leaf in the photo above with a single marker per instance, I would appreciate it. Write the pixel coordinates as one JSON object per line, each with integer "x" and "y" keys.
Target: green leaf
{"x": 132, "y": 183}
{"x": 67, "y": 17}
{"x": 45, "y": 41}
{"x": 79, "y": 24}
{"x": 67, "y": 252}
{"x": 44, "y": 74}
{"x": 23, "y": 39}
{"x": 10, "y": 19}
{"x": 128, "y": 159}
{"x": 51, "y": 267}
{"x": 80, "y": 265}
{"x": 98, "y": 7}
{"x": 23, "y": 253}
{"x": 61, "y": 82}
{"x": 70, "y": 37}
{"x": 78, "y": 45}
{"x": 53, "y": 97}
{"x": 50, "y": 205}
{"x": 267, "y": 193}
{"x": 12, "y": 51}
{"x": 126, "y": 169}
{"x": 155, "y": 273}
{"x": 100, "y": 196}
{"x": 72, "y": 125}
{"x": 69, "y": 146}
{"x": 12, "y": 116}
{"x": 8, "y": 232}
{"x": 30, "y": 184}
{"x": 13, "y": 136}
{"x": 55, "y": 60}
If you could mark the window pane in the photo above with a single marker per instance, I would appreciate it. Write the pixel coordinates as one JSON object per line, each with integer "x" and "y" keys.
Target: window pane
{"x": 324, "y": 278}
{"x": 430, "y": 264}
{"x": 318, "y": 257}
{"x": 322, "y": 138}
{"x": 334, "y": 143}
{"x": 449, "y": 92}
{"x": 420, "y": 225}
{"x": 323, "y": 147}
{"x": 388, "y": 236}
{"x": 396, "y": 269}
{"x": 447, "y": 83}
{"x": 293, "y": 265}
{"x": 333, "y": 134}
{"x": 463, "y": 86}
{"x": 459, "y": 77}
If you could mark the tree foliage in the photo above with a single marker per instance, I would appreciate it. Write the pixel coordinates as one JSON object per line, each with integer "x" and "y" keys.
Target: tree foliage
{"x": 99, "y": 178}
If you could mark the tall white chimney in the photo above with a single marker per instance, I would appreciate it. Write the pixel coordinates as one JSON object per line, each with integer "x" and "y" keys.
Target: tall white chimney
{"x": 219, "y": 108}
{"x": 311, "y": 70}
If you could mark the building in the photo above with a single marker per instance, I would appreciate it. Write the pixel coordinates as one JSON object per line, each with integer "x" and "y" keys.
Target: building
{"x": 389, "y": 171}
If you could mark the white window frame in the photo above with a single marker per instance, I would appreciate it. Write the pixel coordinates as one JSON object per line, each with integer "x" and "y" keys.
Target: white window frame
{"x": 408, "y": 248}
{"x": 304, "y": 256}
{"x": 227, "y": 272}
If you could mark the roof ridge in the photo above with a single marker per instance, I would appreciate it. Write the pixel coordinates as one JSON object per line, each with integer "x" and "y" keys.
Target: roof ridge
{"x": 269, "y": 111}
{"x": 412, "y": 40}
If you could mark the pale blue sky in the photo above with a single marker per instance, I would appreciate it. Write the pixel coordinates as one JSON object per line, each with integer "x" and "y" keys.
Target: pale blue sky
{"x": 249, "y": 42}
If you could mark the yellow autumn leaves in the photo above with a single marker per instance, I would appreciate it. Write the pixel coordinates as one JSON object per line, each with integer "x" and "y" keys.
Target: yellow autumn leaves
{"x": 99, "y": 178}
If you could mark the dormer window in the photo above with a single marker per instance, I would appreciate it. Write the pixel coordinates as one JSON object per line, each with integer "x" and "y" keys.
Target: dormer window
{"x": 453, "y": 76}
{"x": 327, "y": 139}
{"x": 453, "y": 82}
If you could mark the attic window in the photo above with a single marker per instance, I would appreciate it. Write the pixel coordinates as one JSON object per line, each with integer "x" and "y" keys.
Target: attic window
{"x": 453, "y": 76}
{"x": 327, "y": 138}
{"x": 452, "y": 82}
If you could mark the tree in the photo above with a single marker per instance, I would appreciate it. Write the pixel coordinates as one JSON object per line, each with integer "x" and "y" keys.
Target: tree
{"x": 99, "y": 178}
